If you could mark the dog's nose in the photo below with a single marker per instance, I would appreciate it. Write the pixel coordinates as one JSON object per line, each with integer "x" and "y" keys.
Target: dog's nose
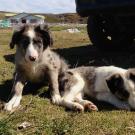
{"x": 32, "y": 58}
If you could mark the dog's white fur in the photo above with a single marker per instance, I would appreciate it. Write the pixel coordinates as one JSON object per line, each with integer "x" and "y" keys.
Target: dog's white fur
{"x": 73, "y": 95}
{"x": 31, "y": 51}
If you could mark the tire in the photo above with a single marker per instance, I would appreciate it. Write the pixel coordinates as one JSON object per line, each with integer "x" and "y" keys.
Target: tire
{"x": 105, "y": 34}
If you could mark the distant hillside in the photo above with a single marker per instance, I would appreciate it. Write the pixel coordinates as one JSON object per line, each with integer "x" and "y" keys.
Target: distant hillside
{"x": 56, "y": 18}
{"x": 65, "y": 18}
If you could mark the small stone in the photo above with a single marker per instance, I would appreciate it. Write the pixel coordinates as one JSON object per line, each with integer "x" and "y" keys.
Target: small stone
{"x": 24, "y": 125}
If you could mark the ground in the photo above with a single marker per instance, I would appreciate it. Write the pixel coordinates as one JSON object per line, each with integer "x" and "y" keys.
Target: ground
{"x": 48, "y": 119}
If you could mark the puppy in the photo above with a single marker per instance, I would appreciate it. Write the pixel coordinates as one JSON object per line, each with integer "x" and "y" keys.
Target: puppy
{"x": 34, "y": 61}
{"x": 108, "y": 83}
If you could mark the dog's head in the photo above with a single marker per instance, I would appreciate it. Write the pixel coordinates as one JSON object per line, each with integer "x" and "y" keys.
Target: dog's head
{"x": 32, "y": 41}
{"x": 123, "y": 86}
{"x": 118, "y": 86}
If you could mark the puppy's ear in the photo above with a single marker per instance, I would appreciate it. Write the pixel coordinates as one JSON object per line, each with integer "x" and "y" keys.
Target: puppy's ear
{"x": 14, "y": 39}
{"x": 131, "y": 74}
{"x": 116, "y": 85}
{"x": 114, "y": 82}
{"x": 16, "y": 36}
{"x": 43, "y": 30}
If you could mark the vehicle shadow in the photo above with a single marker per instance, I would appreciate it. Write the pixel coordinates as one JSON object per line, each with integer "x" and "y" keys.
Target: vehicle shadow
{"x": 89, "y": 55}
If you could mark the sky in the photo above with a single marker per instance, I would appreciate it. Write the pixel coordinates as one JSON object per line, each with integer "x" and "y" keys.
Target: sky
{"x": 38, "y": 6}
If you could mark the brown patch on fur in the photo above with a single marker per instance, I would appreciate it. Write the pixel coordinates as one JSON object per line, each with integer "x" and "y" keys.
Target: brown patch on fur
{"x": 70, "y": 73}
{"x": 49, "y": 55}
{"x": 55, "y": 66}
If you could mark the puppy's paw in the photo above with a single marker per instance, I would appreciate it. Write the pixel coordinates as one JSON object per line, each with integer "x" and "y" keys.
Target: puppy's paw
{"x": 13, "y": 103}
{"x": 78, "y": 107}
{"x": 90, "y": 107}
{"x": 56, "y": 99}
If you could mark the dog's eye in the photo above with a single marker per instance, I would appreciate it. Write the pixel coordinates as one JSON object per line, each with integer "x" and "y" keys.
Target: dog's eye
{"x": 25, "y": 43}
{"x": 37, "y": 41}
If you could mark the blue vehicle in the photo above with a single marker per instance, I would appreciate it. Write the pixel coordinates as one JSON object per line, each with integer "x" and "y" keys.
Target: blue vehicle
{"x": 111, "y": 23}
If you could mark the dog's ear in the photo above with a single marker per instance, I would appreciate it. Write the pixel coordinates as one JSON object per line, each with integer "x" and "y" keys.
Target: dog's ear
{"x": 131, "y": 74}
{"x": 113, "y": 82}
{"x": 116, "y": 85}
{"x": 16, "y": 36}
{"x": 43, "y": 30}
{"x": 14, "y": 39}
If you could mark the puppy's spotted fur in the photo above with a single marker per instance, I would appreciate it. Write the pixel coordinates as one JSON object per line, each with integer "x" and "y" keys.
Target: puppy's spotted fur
{"x": 34, "y": 61}
{"x": 108, "y": 83}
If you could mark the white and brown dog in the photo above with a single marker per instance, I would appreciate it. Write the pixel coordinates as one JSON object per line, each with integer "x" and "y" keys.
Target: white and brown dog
{"x": 34, "y": 61}
{"x": 108, "y": 83}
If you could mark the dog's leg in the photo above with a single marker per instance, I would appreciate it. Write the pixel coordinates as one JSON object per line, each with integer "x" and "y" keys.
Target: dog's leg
{"x": 72, "y": 105}
{"x": 54, "y": 85}
{"x": 88, "y": 105}
{"x": 16, "y": 92}
{"x": 69, "y": 100}
{"x": 108, "y": 97}
{"x": 70, "y": 93}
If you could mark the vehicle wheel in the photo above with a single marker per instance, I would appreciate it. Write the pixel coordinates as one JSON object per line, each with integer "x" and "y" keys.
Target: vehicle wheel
{"x": 106, "y": 34}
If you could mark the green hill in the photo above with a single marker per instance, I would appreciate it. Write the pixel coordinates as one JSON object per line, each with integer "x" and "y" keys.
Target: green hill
{"x": 55, "y": 18}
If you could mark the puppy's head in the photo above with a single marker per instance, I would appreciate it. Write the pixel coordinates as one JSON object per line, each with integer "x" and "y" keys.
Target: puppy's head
{"x": 31, "y": 41}
{"x": 118, "y": 86}
{"x": 123, "y": 86}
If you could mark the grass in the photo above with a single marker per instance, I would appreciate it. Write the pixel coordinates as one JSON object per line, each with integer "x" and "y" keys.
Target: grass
{"x": 63, "y": 28}
{"x": 48, "y": 119}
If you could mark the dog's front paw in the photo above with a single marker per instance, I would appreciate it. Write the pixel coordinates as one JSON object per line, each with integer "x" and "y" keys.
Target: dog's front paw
{"x": 77, "y": 107}
{"x": 90, "y": 107}
{"x": 56, "y": 99}
{"x": 13, "y": 103}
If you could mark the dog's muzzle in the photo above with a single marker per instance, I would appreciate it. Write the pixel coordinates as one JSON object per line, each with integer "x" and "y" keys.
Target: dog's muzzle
{"x": 32, "y": 58}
